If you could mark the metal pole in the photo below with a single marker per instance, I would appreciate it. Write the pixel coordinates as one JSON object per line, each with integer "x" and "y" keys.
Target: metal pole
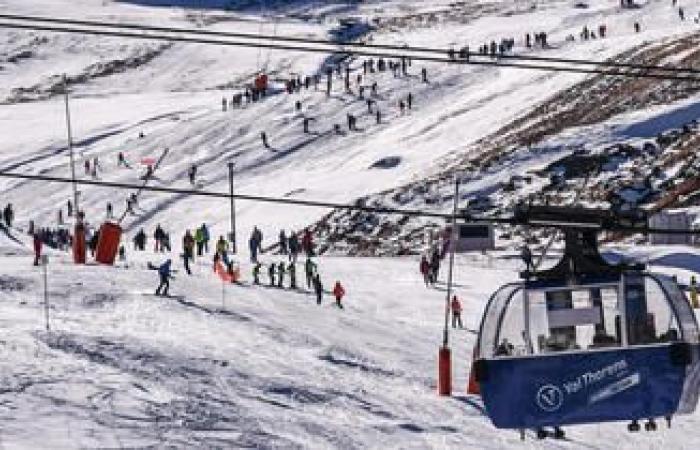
{"x": 233, "y": 208}
{"x": 453, "y": 244}
{"x": 45, "y": 263}
{"x": 70, "y": 147}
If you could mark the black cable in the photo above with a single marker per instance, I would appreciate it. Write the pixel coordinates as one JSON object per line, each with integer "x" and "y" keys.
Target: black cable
{"x": 356, "y": 207}
{"x": 412, "y": 49}
{"x": 300, "y": 48}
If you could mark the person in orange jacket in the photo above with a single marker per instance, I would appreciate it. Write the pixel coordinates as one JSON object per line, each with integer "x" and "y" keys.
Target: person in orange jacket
{"x": 456, "y": 307}
{"x": 339, "y": 293}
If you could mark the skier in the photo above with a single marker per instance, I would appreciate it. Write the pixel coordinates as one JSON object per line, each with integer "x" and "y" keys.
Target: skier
{"x": 69, "y": 206}
{"x": 256, "y": 273}
{"x": 434, "y": 266}
{"x": 87, "y": 167}
{"x": 424, "y": 75}
{"x": 318, "y": 288}
{"x": 402, "y": 106}
{"x": 309, "y": 270}
{"x": 199, "y": 240}
{"x": 253, "y": 246}
{"x": 110, "y": 213}
{"x": 271, "y": 274}
{"x": 263, "y": 137}
{"x": 60, "y": 217}
{"x": 409, "y": 100}
{"x": 307, "y": 243}
{"x": 339, "y": 293}
{"x": 425, "y": 270}
{"x": 297, "y": 105}
{"x": 222, "y": 249}
{"x": 122, "y": 253}
{"x": 526, "y": 256}
{"x": 121, "y": 161}
{"x": 205, "y": 236}
{"x": 192, "y": 174}
{"x": 293, "y": 247}
{"x": 681, "y": 13}
{"x": 164, "y": 273}
{"x": 140, "y": 240}
{"x": 9, "y": 215}
{"x": 158, "y": 237}
{"x": 37, "y": 249}
{"x": 369, "y": 105}
{"x": 188, "y": 250}
{"x": 456, "y": 308}
{"x": 637, "y": 27}
{"x": 378, "y": 116}
{"x": 92, "y": 243}
{"x": 292, "y": 269}
{"x": 280, "y": 274}
{"x": 283, "y": 243}
{"x": 694, "y": 293}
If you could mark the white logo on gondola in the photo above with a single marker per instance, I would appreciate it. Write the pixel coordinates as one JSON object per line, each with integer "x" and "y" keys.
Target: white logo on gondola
{"x": 549, "y": 398}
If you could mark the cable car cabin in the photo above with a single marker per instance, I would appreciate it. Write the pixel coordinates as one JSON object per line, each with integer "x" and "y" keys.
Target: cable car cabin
{"x": 587, "y": 342}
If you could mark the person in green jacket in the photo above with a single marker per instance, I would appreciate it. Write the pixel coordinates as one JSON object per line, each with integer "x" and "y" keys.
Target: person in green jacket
{"x": 199, "y": 239}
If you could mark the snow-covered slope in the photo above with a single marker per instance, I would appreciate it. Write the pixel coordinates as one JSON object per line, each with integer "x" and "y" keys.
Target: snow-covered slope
{"x": 242, "y": 366}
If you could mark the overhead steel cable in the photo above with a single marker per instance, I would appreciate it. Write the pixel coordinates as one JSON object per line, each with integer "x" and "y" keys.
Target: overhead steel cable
{"x": 345, "y": 44}
{"x": 338, "y": 49}
{"x": 463, "y": 216}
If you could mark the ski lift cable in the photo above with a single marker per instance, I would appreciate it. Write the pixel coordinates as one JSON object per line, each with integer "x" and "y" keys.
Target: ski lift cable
{"x": 331, "y": 48}
{"x": 343, "y": 44}
{"x": 464, "y": 217}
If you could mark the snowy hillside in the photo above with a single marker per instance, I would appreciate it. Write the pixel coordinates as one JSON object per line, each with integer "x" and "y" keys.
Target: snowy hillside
{"x": 239, "y": 366}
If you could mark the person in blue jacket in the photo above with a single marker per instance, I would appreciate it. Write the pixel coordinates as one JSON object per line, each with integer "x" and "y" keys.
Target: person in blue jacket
{"x": 164, "y": 272}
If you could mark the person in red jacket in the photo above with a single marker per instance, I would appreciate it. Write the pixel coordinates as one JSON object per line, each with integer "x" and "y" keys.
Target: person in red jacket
{"x": 37, "y": 249}
{"x": 456, "y": 307}
{"x": 339, "y": 293}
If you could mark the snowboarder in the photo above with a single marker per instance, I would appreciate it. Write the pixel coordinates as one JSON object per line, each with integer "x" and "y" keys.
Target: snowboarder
{"x": 456, "y": 308}
{"x": 164, "y": 273}
{"x": 188, "y": 250}
{"x": 256, "y": 273}
{"x": 37, "y": 249}
{"x": 309, "y": 270}
{"x": 338, "y": 293}
{"x": 318, "y": 288}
